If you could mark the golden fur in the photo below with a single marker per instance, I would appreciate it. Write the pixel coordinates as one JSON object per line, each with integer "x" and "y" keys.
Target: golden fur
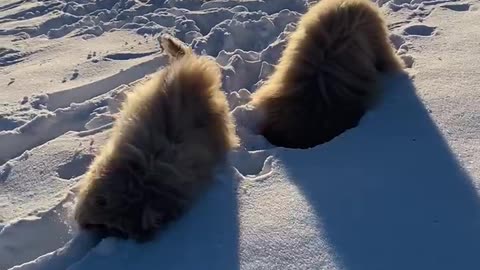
{"x": 326, "y": 78}
{"x": 170, "y": 135}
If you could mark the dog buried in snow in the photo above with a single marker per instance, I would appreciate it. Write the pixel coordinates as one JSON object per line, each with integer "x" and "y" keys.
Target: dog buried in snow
{"x": 170, "y": 135}
{"x": 326, "y": 78}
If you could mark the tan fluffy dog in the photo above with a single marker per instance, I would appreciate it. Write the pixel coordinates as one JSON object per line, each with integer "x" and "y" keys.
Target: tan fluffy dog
{"x": 171, "y": 134}
{"x": 326, "y": 78}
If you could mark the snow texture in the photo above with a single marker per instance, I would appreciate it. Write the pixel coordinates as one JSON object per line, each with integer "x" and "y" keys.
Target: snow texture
{"x": 400, "y": 191}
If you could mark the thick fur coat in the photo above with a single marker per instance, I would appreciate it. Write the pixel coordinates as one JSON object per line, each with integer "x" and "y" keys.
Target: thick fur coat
{"x": 170, "y": 135}
{"x": 326, "y": 77}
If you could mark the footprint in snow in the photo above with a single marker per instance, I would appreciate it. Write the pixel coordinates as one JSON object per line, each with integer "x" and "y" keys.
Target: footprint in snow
{"x": 252, "y": 163}
{"x": 457, "y": 6}
{"x": 74, "y": 75}
{"x": 419, "y": 30}
{"x": 75, "y": 167}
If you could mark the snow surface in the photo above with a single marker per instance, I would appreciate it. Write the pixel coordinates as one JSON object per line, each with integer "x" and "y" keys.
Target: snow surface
{"x": 400, "y": 191}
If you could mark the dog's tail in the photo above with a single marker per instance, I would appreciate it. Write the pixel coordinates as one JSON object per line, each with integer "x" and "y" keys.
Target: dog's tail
{"x": 337, "y": 25}
{"x": 194, "y": 88}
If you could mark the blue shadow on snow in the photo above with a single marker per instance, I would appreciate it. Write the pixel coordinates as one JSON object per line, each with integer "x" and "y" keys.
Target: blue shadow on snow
{"x": 392, "y": 195}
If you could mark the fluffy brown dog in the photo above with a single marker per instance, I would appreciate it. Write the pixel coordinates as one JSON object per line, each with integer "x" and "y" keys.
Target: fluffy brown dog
{"x": 171, "y": 134}
{"x": 326, "y": 78}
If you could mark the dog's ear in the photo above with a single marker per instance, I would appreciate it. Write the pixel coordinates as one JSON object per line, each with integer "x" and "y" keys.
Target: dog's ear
{"x": 173, "y": 47}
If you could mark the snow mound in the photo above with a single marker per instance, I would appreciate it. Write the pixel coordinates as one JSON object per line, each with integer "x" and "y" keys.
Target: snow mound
{"x": 400, "y": 191}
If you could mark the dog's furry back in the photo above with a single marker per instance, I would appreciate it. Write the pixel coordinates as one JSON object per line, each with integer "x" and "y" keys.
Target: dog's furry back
{"x": 326, "y": 77}
{"x": 170, "y": 135}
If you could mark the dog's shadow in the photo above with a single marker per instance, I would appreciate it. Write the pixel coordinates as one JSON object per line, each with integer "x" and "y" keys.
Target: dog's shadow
{"x": 390, "y": 194}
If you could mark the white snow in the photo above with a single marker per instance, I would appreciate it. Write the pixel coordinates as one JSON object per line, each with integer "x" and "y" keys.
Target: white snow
{"x": 400, "y": 191}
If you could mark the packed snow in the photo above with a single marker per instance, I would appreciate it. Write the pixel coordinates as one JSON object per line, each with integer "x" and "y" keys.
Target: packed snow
{"x": 400, "y": 191}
